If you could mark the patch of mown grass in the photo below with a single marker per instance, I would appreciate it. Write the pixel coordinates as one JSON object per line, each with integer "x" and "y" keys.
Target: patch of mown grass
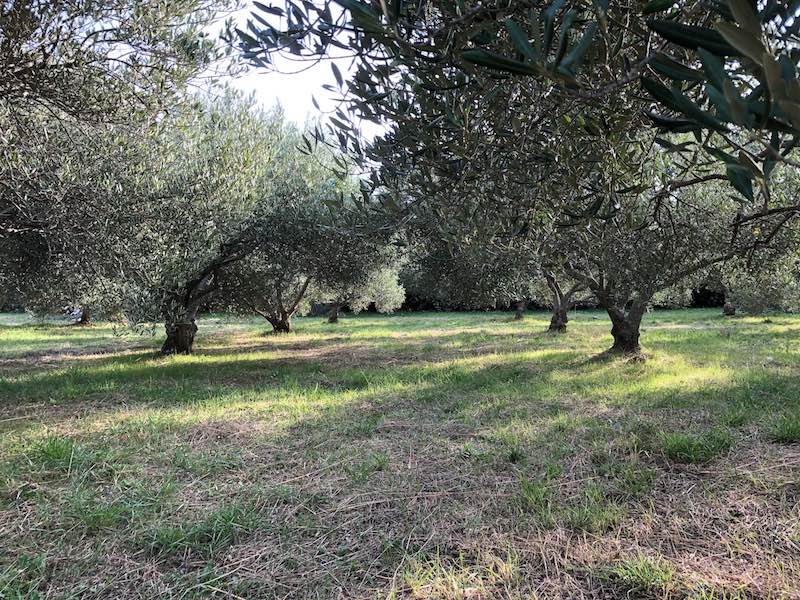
{"x": 206, "y": 536}
{"x": 642, "y": 574}
{"x": 61, "y": 455}
{"x": 453, "y": 578}
{"x": 536, "y": 497}
{"x": 202, "y": 464}
{"x": 114, "y": 506}
{"x": 23, "y": 578}
{"x": 785, "y": 429}
{"x": 403, "y": 475}
{"x": 699, "y": 447}
{"x": 363, "y": 470}
{"x": 593, "y": 511}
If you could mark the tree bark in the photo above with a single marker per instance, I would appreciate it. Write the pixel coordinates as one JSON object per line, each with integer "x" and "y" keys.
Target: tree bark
{"x": 519, "y": 310}
{"x": 86, "y": 317}
{"x": 333, "y": 315}
{"x": 180, "y": 337}
{"x": 562, "y": 302}
{"x": 281, "y": 325}
{"x": 625, "y": 328}
{"x": 559, "y": 320}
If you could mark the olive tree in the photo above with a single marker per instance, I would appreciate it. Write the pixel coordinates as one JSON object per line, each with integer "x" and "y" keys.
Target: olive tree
{"x": 304, "y": 245}
{"x": 68, "y": 69}
{"x": 190, "y": 205}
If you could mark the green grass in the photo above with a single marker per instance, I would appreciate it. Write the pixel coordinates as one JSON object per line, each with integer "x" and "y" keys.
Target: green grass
{"x": 642, "y": 574}
{"x": 785, "y": 429}
{"x": 696, "y": 447}
{"x": 429, "y": 455}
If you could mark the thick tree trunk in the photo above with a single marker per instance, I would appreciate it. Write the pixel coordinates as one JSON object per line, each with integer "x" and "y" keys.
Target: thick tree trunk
{"x": 86, "y": 317}
{"x": 180, "y": 337}
{"x": 625, "y": 328}
{"x": 562, "y": 302}
{"x": 283, "y": 325}
{"x": 333, "y": 315}
{"x": 519, "y": 310}
{"x": 559, "y": 320}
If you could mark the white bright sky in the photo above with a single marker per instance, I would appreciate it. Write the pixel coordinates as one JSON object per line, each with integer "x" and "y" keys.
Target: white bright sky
{"x": 293, "y": 92}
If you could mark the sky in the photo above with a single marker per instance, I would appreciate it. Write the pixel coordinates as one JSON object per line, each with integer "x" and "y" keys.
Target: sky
{"x": 293, "y": 92}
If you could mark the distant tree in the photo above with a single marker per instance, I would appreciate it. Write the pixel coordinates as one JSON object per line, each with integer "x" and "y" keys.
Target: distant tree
{"x": 770, "y": 284}
{"x": 304, "y": 245}
{"x": 379, "y": 286}
{"x": 185, "y": 215}
{"x": 68, "y": 69}
{"x": 642, "y": 249}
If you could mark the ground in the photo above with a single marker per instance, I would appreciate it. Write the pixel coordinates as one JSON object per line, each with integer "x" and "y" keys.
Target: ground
{"x": 431, "y": 455}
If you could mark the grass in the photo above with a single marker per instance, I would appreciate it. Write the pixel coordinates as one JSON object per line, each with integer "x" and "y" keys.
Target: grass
{"x": 699, "y": 447}
{"x": 429, "y": 455}
{"x": 642, "y": 574}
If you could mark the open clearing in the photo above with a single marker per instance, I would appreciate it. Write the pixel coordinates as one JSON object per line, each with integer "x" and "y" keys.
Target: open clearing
{"x": 432, "y": 455}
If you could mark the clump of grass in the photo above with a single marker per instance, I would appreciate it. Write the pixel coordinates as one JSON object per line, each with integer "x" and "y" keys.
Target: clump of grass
{"x": 785, "y": 429}
{"x": 203, "y": 463}
{"x": 94, "y": 512}
{"x": 737, "y": 415}
{"x": 641, "y": 573}
{"x": 375, "y": 462}
{"x": 696, "y": 447}
{"x": 511, "y": 447}
{"x": 536, "y": 497}
{"x": 706, "y": 593}
{"x": 632, "y": 482}
{"x": 216, "y": 530}
{"x": 61, "y": 454}
{"x": 486, "y": 575}
{"x": 594, "y": 512}
{"x": 23, "y": 577}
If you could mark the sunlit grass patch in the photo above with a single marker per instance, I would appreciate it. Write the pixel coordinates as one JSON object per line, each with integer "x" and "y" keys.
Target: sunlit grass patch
{"x": 642, "y": 574}
{"x": 456, "y": 578}
{"x": 785, "y": 429}
{"x": 428, "y": 455}
{"x": 696, "y": 447}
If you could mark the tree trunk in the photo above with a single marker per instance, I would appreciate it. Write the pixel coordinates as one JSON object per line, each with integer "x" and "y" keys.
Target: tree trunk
{"x": 86, "y": 317}
{"x": 559, "y": 320}
{"x": 519, "y": 310}
{"x": 283, "y": 325}
{"x": 180, "y": 337}
{"x": 333, "y": 315}
{"x": 625, "y": 328}
{"x": 728, "y": 309}
{"x": 562, "y": 302}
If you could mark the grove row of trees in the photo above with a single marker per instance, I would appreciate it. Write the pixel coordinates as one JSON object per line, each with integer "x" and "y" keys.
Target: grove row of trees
{"x": 529, "y": 149}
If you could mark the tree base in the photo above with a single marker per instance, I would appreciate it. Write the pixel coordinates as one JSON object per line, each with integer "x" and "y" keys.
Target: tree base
{"x": 558, "y": 322}
{"x": 180, "y": 339}
{"x": 281, "y": 327}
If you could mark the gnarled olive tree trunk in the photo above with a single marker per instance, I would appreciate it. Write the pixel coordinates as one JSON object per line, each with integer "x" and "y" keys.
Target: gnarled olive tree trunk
{"x": 180, "y": 313}
{"x": 559, "y": 319}
{"x": 278, "y": 314}
{"x": 519, "y": 310}
{"x": 180, "y": 335}
{"x": 562, "y": 302}
{"x": 625, "y": 323}
{"x": 86, "y": 316}
{"x": 333, "y": 315}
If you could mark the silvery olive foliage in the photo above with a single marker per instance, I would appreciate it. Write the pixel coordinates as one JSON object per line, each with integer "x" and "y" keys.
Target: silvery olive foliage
{"x": 78, "y": 80}
{"x": 185, "y": 211}
{"x": 308, "y": 242}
